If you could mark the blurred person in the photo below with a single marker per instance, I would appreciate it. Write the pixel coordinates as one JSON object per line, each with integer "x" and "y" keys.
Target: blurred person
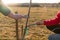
{"x": 53, "y": 25}
{"x": 7, "y": 12}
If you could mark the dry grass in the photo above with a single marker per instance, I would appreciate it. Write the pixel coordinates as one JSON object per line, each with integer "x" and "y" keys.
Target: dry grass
{"x": 40, "y": 32}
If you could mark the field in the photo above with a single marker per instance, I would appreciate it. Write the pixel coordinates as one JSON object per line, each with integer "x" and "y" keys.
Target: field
{"x": 37, "y": 32}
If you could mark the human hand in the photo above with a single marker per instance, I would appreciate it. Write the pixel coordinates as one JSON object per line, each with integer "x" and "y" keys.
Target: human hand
{"x": 40, "y": 22}
{"x": 17, "y": 16}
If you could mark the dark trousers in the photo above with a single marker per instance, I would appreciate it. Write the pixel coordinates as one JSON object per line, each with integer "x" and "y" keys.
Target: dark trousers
{"x": 56, "y": 30}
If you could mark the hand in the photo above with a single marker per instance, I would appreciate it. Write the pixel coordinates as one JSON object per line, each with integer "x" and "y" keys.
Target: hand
{"x": 17, "y": 16}
{"x": 40, "y": 22}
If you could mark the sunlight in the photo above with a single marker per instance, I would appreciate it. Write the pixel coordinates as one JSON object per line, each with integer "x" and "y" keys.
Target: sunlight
{"x": 15, "y": 1}
{"x": 27, "y": 1}
{"x": 10, "y": 1}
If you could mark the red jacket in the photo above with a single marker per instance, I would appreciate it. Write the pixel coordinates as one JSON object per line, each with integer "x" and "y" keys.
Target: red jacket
{"x": 54, "y": 21}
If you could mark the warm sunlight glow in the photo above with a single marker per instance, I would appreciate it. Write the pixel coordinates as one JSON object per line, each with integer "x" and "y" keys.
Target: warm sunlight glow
{"x": 9, "y": 1}
{"x": 15, "y": 1}
{"x": 27, "y": 1}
